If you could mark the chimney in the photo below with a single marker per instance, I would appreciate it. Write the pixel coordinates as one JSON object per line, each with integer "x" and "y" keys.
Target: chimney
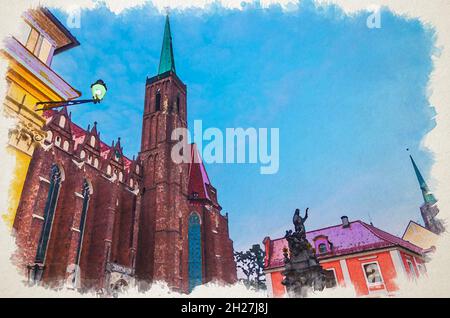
{"x": 345, "y": 222}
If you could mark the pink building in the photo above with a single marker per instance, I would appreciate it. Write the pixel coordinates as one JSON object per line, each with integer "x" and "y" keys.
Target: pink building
{"x": 354, "y": 254}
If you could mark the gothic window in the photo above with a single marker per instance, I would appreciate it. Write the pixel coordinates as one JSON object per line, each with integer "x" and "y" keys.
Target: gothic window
{"x": 108, "y": 170}
{"x": 131, "y": 183}
{"x": 66, "y": 145}
{"x": 62, "y": 121}
{"x": 86, "y": 191}
{"x": 82, "y": 154}
{"x": 177, "y": 109}
{"x": 58, "y": 140}
{"x": 49, "y": 136}
{"x": 92, "y": 141}
{"x": 120, "y": 176}
{"x": 137, "y": 169}
{"x": 49, "y": 211}
{"x": 96, "y": 163}
{"x": 195, "y": 251}
{"x": 158, "y": 101}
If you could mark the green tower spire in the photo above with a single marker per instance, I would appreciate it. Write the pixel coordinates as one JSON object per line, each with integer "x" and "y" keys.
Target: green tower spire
{"x": 166, "y": 62}
{"x": 428, "y": 197}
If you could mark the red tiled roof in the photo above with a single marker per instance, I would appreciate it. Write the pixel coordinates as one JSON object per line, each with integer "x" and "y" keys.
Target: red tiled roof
{"x": 198, "y": 177}
{"x": 358, "y": 237}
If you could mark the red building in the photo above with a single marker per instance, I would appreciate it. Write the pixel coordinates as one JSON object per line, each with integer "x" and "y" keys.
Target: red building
{"x": 356, "y": 254}
{"x": 92, "y": 218}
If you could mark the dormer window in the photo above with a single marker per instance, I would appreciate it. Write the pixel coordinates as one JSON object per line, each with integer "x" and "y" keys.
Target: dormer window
{"x": 322, "y": 248}
{"x": 96, "y": 163}
{"x": 322, "y": 244}
{"x": 137, "y": 169}
{"x": 108, "y": 170}
{"x": 82, "y": 154}
{"x": 37, "y": 44}
{"x": 120, "y": 176}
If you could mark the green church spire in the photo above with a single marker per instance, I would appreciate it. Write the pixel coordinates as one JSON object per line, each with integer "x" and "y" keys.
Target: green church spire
{"x": 166, "y": 62}
{"x": 428, "y": 197}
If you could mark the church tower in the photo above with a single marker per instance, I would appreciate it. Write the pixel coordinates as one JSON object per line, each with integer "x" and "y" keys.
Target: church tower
{"x": 162, "y": 224}
{"x": 429, "y": 208}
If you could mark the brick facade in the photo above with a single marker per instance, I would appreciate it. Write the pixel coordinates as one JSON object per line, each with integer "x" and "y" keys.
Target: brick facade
{"x": 136, "y": 225}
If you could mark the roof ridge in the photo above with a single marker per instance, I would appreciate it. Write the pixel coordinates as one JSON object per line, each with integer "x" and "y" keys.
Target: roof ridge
{"x": 321, "y": 229}
{"x": 389, "y": 238}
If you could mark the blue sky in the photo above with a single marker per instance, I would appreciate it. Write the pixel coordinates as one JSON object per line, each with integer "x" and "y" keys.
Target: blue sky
{"x": 348, "y": 101}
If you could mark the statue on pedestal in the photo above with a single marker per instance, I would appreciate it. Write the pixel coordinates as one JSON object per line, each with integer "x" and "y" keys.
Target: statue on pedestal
{"x": 302, "y": 269}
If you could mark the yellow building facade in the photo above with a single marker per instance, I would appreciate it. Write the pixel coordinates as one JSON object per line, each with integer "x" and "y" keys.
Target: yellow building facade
{"x": 30, "y": 79}
{"x": 420, "y": 236}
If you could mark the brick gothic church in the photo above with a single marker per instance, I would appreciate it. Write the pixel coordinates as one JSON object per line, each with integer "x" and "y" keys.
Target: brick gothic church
{"x": 89, "y": 217}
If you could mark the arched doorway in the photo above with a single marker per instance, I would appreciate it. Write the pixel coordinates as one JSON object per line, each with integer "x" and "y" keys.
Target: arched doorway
{"x": 195, "y": 251}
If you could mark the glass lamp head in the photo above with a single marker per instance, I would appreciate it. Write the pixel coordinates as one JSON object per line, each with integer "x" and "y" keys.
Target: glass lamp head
{"x": 98, "y": 90}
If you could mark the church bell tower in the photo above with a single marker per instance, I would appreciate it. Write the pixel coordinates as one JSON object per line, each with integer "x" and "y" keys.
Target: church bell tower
{"x": 164, "y": 190}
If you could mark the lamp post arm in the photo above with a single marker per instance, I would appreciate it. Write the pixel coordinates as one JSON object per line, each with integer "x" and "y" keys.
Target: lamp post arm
{"x": 54, "y": 104}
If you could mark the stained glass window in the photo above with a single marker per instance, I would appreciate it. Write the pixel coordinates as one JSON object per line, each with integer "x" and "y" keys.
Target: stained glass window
{"x": 195, "y": 251}
{"x": 50, "y": 205}
{"x": 86, "y": 194}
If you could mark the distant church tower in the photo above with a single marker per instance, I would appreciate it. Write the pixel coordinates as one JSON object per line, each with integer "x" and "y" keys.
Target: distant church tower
{"x": 429, "y": 208}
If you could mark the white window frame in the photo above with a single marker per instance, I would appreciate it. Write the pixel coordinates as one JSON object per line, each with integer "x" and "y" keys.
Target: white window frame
{"x": 412, "y": 271}
{"x": 369, "y": 284}
{"x": 424, "y": 269}
{"x": 332, "y": 269}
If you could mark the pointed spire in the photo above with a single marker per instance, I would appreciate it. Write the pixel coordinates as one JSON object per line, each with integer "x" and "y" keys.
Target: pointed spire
{"x": 428, "y": 197}
{"x": 167, "y": 61}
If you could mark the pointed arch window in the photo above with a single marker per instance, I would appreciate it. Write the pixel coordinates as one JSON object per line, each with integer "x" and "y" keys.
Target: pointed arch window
{"x": 195, "y": 251}
{"x": 62, "y": 121}
{"x": 177, "y": 106}
{"x": 158, "y": 101}
{"x": 86, "y": 193}
{"x": 49, "y": 212}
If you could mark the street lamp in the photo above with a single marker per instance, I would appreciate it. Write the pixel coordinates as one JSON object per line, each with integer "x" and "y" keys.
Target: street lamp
{"x": 98, "y": 90}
